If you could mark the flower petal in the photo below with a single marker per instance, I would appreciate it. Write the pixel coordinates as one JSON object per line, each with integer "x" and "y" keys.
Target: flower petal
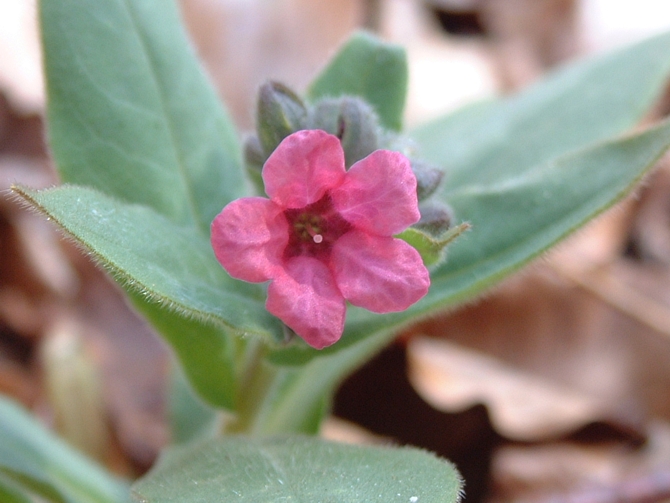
{"x": 303, "y": 167}
{"x": 382, "y": 274}
{"x": 306, "y": 298}
{"x": 378, "y": 194}
{"x": 249, "y": 237}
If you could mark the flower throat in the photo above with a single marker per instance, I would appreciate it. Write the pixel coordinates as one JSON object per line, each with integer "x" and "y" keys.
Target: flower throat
{"x": 314, "y": 229}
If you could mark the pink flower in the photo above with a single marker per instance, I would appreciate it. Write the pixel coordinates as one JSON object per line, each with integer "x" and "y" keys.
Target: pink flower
{"x": 325, "y": 235}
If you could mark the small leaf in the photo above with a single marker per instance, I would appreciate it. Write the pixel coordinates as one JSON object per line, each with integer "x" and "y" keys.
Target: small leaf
{"x": 35, "y": 462}
{"x": 279, "y": 469}
{"x": 432, "y": 249}
{"x": 369, "y": 68}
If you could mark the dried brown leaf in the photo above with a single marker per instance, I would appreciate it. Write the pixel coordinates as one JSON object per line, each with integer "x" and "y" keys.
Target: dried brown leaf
{"x": 522, "y": 406}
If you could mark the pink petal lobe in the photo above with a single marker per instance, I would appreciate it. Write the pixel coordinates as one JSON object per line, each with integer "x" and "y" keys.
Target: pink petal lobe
{"x": 378, "y": 194}
{"x": 382, "y": 274}
{"x": 303, "y": 167}
{"x": 306, "y": 298}
{"x": 249, "y": 237}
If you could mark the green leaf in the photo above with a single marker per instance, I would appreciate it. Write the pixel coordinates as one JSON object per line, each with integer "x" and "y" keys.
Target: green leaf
{"x": 376, "y": 71}
{"x": 12, "y": 492}
{"x": 205, "y": 351}
{"x": 576, "y": 106}
{"x": 170, "y": 264}
{"x": 279, "y": 469}
{"x": 130, "y": 111}
{"x": 518, "y": 218}
{"x": 189, "y": 417}
{"x": 432, "y": 249}
{"x": 34, "y": 461}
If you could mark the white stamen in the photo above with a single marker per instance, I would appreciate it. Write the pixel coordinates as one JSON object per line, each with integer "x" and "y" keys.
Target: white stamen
{"x": 317, "y": 238}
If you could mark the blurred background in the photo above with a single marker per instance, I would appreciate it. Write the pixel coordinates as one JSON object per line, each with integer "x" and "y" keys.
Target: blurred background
{"x": 553, "y": 387}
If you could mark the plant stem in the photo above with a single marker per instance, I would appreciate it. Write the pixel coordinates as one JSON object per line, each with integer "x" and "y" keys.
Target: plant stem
{"x": 257, "y": 378}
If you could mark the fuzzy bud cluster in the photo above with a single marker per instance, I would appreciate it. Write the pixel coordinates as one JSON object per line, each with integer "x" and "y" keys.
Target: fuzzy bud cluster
{"x": 281, "y": 112}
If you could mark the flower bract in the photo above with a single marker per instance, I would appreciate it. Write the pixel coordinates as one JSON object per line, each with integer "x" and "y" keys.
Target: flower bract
{"x": 325, "y": 235}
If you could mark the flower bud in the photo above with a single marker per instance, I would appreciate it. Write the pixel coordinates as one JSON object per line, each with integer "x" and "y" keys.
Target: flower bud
{"x": 390, "y": 140}
{"x": 428, "y": 178}
{"x": 435, "y": 218}
{"x": 353, "y": 121}
{"x": 280, "y": 112}
{"x": 254, "y": 158}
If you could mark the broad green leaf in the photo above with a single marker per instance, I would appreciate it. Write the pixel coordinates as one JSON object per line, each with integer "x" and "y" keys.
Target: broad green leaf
{"x": 578, "y": 105}
{"x": 367, "y": 67}
{"x": 520, "y": 217}
{"x": 130, "y": 111}
{"x": 34, "y": 461}
{"x": 280, "y": 469}
{"x": 170, "y": 264}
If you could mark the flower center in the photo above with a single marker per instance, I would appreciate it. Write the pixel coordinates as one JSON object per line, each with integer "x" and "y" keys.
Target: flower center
{"x": 309, "y": 226}
{"x": 313, "y": 229}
